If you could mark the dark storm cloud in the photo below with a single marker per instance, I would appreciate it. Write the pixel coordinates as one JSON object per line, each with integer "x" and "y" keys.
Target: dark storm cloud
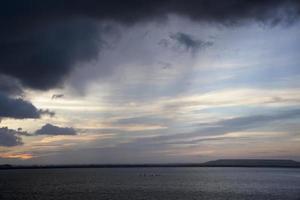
{"x": 43, "y": 57}
{"x": 18, "y": 108}
{"x": 10, "y": 137}
{"x": 189, "y": 43}
{"x": 49, "y": 129}
{"x": 41, "y": 41}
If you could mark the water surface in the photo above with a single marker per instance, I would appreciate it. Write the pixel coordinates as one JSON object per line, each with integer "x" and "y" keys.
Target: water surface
{"x": 150, "y": 184}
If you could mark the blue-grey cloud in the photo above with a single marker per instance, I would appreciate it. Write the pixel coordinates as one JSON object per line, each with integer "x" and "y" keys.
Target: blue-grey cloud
{"x": 18, "y": 108}
{"x": 10, "y": 137}
{"x": 12, "y": 105}
{"x": 49, "y": 129}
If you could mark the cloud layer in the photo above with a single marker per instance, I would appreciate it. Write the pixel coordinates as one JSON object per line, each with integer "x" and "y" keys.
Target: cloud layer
{"x": 143, "y": 91}
{"x": 43, "y": 41}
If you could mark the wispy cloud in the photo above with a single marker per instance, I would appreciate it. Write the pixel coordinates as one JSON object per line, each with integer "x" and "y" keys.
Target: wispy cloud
{"x": 189, "y": 43}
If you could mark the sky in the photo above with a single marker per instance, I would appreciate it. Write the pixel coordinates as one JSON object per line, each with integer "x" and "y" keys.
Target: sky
{"x": 137, "y": 81}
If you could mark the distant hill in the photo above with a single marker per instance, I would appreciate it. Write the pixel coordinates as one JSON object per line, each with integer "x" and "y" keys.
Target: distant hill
{"x": 252, "y": 163}
{"x": 215, "y": 163}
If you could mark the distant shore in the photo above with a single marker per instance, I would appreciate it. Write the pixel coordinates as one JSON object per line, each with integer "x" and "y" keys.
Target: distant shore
{"x": 252, "y": 163}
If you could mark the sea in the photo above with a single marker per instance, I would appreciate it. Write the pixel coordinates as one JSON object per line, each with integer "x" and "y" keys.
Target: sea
{"x": 150, "y": 184}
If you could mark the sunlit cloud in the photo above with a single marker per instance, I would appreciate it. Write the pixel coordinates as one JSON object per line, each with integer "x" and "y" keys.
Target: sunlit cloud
{"x": 22, "y": 156}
